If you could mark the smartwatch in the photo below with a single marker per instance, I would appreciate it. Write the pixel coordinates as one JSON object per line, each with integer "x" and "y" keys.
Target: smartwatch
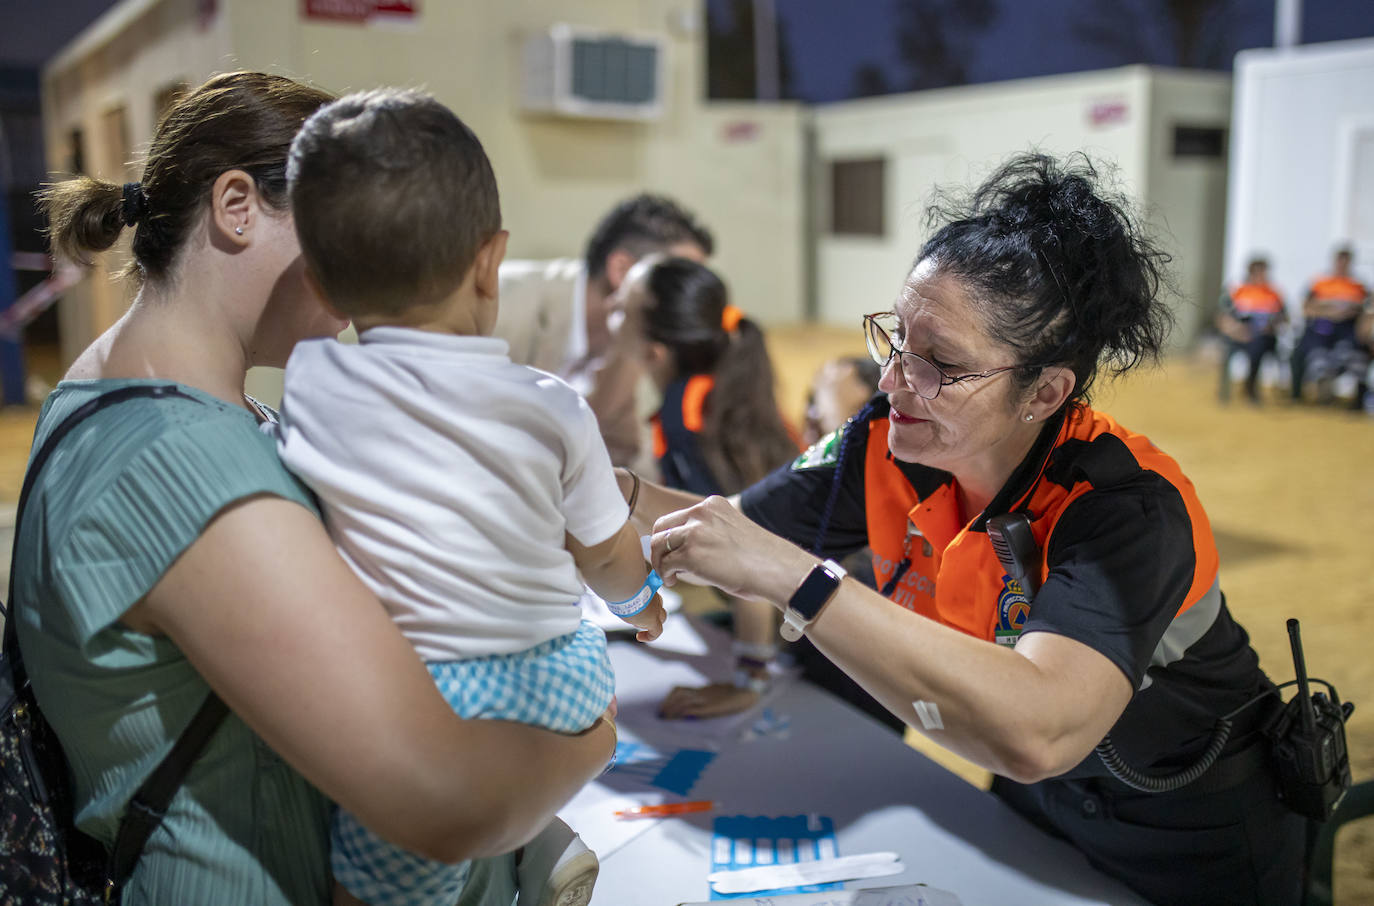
{"x": 806, "y": 602}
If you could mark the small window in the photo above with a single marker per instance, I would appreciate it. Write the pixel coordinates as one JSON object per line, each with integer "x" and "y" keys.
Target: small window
{"x": 1199, "y": 141}
{"x": 857, "y": 197}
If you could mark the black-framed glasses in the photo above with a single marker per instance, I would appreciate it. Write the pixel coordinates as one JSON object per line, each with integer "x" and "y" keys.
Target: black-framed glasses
{"x": 919, "y": 372}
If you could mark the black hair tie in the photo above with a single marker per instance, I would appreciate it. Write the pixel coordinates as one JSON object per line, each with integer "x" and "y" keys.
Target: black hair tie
{"x": 135, "y": 203}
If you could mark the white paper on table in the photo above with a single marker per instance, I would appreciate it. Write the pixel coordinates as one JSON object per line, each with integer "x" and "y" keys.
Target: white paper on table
{"x": 591, "y": 813}
{"x": 680, "y": 636}
{"x": 801, "y": 874}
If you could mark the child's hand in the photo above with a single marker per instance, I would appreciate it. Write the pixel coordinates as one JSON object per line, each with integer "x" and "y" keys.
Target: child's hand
{"x": 649, "y": 621}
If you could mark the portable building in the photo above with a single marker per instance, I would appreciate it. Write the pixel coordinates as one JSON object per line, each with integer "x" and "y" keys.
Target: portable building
{"x": 1302, "y": 162}
{"x": 881, "y": 160}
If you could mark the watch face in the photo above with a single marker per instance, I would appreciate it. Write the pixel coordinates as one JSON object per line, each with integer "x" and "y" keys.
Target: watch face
{"x": 814, "y": 592}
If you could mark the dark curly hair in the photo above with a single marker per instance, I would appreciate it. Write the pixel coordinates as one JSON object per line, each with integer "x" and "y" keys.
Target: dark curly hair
{"x": 1060, "y": 269}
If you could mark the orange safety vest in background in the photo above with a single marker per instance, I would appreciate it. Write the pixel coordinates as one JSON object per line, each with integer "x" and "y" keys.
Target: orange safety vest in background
{"x": 693, "y": 406}
{"x": 1256, "y": 298}
{"x": 954, "y": 575}
{"x": 1339, "y": 289}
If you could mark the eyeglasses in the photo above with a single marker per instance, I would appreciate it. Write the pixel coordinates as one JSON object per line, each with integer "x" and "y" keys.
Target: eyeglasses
{"x": 920, "y": 373}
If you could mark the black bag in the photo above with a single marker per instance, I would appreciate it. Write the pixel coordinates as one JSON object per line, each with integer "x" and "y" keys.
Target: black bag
{"x": 44, "y": 859}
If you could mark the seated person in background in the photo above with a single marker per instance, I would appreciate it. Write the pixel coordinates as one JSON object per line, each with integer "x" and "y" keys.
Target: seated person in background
{"x": 554, "y": 314}
{"x": 1332, "y": 307}
{"x": 1364, "y": 333}
{"x": 465, "y": 490}
{"x": 839, "y": 389}
{"x": 1250, "y": 316}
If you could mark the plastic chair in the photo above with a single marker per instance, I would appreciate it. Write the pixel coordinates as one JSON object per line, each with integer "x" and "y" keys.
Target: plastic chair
{"x": 1358, "y": 803}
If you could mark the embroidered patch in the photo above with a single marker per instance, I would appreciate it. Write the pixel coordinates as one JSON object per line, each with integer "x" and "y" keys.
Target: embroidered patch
{"x": 824, "y": 452}
{"x": 1013, "y": 608}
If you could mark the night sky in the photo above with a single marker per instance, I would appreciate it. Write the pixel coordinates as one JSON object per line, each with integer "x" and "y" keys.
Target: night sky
{"x": 829, "y": 39}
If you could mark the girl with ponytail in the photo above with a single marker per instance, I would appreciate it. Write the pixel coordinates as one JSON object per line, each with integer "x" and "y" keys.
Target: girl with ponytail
{"x": 717, "y": 432}
{"x": 719, "y": 429}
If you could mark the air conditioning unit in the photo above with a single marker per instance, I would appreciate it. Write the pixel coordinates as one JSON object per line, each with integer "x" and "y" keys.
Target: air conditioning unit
{"x": 581, "y": 72}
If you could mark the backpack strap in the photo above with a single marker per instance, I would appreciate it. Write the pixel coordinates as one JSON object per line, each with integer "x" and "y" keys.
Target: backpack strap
{"x": 149, "y": 804}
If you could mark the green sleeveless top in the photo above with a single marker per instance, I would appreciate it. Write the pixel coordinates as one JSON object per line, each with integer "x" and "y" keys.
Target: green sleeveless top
{"x": 120, "y": 499}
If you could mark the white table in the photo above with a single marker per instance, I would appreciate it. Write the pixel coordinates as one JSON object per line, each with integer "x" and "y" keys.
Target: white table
{"x": 838, "y": 762}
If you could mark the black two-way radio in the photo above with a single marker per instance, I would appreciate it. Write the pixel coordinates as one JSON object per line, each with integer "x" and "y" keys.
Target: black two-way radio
{"x": 1309, "y": 743}
{"x": 1010, "y": 534}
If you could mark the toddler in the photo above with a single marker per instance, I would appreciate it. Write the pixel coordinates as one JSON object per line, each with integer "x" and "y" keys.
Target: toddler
{"x": 468, "y": 492}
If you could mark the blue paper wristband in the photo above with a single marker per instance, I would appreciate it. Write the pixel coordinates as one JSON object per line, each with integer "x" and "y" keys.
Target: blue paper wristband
{"x": 640, "y": 600}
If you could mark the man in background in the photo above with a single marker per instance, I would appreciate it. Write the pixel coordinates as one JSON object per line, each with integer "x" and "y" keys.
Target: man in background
{"x": 1332, "y": 307}
{"x": 557, "y": 315}
{"x": 1249, "y": 318}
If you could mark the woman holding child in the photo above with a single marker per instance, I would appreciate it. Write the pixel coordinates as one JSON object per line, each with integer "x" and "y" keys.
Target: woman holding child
{"x": 166, "y": 553}
{"x": 1117, "y": 628}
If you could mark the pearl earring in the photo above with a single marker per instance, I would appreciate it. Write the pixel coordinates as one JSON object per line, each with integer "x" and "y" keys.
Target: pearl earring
{"x": 238, "y": 231}
{"x": 1029, "y": 417}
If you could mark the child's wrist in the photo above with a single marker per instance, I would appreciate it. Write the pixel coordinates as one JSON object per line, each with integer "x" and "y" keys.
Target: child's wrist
{"x": 639, "y": 600}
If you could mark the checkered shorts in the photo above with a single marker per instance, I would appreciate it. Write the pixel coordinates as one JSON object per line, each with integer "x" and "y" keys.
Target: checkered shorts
{"x": 564, "y": 684}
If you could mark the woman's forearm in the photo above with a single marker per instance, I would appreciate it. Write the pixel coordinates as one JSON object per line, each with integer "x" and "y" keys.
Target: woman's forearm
{"x": 307, "y": 657}
{"x": 1024, "y": 713}
{"x": 1023, "y": 717}
{"x": 563, "y": 764}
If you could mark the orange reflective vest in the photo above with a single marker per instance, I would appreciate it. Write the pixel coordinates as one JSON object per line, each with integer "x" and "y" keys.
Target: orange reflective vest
{"x": 1256, "y": 299}
{"x": 954, "y": 575}
{"x": 1339, "y": 289}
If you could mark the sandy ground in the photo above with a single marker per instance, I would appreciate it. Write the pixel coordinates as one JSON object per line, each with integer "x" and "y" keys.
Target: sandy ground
{"x": 1290, "y": 491}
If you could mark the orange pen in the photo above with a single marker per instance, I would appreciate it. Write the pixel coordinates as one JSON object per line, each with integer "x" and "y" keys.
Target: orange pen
{"x": 667, "y": 809}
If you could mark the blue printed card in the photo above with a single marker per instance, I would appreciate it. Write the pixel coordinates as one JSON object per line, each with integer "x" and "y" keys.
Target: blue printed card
{"x": 741, "y": 841}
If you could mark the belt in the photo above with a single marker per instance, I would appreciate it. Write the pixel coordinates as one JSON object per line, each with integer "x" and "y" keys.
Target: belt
{"x": 1241, "y": 766}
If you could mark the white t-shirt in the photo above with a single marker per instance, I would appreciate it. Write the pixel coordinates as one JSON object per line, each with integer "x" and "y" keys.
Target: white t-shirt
{"x": 448, "y": 477}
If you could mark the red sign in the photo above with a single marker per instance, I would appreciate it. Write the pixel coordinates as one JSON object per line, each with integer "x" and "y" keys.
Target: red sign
{"x": 740, "y": 131}
{"x": 359, "y": 11}
{"x": 1107, "y": 113}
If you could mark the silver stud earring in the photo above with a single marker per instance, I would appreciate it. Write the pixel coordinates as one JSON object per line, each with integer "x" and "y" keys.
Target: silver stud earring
{"x": 238, "y": 231}
{"x": 1029, "y": 417}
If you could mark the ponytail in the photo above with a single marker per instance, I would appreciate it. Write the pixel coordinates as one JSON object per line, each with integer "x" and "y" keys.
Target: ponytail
{"x": 744, "y": 437}
{"x": 688, "y": 310}
{"x": 235, "y": 121}
{"x": 84, "y": 215}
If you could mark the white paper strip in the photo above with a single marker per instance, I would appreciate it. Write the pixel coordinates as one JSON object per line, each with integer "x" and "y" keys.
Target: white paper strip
{"x": 799, "y": 874}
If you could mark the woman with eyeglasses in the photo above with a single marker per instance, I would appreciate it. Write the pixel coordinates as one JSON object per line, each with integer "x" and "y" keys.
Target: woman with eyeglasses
{"x": 1054, "y": 573}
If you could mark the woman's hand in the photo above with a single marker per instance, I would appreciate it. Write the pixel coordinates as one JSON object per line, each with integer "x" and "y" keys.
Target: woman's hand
{"x": 715, "y": 700}
{"x": 713, "y": 543}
